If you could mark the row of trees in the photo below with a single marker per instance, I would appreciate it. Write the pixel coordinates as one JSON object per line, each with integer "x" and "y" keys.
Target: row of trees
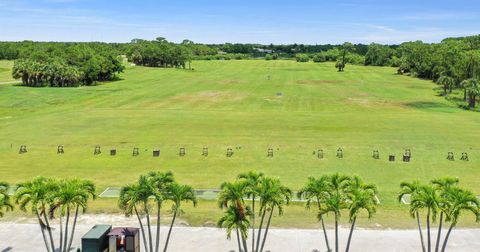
{"x": 49, "y": 199}
{"x": 443, "y": 199}
{"x": 329, "y": 194}
{"x": 454, "y": 64}
{"x": 340, "y": 55}
{"x": 248, "y": 205}
{"x": 159, "y": 53}
{"x": 67, "y": 65}
{"x": 147, "y": 197}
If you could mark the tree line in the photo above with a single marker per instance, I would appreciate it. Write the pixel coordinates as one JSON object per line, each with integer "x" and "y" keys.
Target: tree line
{"x": 248, "y": 203}
{"x": 159, "y": 53}
{"x": 454, "y": 64}
{"x": 65, "y": 64}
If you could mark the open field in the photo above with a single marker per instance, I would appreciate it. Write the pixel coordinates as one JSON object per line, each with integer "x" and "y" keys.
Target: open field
{"x": 302, "y": 108}
{"x": 5, "y": 71}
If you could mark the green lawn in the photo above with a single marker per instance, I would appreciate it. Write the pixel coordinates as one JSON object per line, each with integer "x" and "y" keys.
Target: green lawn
{"x": 302, "y": 108}
{"x": 5, "y": 71}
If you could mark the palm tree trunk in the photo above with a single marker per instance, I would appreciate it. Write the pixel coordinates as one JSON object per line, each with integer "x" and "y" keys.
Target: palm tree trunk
{"x": 61, "y": 234}
{"x": 149, "y": 226}
{"x": 65, "y": 238}
{"x": 142, "y": 228}
{"x": 429, "y": 243}
{"x": 420, "y": 231}
{"x": 260, "y": 229}
{"x": 350, "y": 234}
{"x": 238, "y": 241}
{"x": 324, "y": 229}
{"x": 325, "y": 234}
{"x": 446, "y": 237}
{"x": 266, "y": 229}
{"x": 336, "y": 232}
{"x": 43, "y": 231}
{"x": 245, "y": 248}
{"x": 73, "y": 229}
{"x": 170, "y": 230}
{"x": 49, "y": 229}
{"x": 439, "y": 234}
{"x": 253, "y": 222}
{"x": 157, "y": 242}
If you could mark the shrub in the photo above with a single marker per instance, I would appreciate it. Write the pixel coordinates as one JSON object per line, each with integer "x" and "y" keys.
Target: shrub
{"x": 319, "y": 58}
{"x": 302, "y": 57}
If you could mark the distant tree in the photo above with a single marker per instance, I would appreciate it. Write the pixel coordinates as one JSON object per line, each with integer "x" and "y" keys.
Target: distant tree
{"x": 302, "y": 57}
{"x": 378, "y": 55}
{"x": 447, "y": 83}
{"x": 318, "y": 58}
{"x": 472, "y": 87}
{"x": 345, "y": 49}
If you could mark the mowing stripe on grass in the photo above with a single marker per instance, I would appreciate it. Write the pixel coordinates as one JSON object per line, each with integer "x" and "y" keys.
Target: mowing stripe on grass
{"x": 204, "y": 194}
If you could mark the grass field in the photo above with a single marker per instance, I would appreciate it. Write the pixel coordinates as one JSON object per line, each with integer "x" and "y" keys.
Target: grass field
{"x": 302, "y": 108}
{"x": 5, "y": 71}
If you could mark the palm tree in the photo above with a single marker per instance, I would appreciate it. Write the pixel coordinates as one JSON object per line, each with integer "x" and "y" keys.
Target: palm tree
{"x": 412, "y": 190}
{"x": 442, "y": 185}
{"x": 232, "y": 197}
{"x": 360, "y": 197}
{"x": 71, "y": 194}
{"x": 4, "y": 198}
{"x": 160, "y": 182}
{"x": 272, "y": 195}
{"x": 447, "y": 82}
{"x": 236, "y": 219}
{"x": 427, "y": 197}
{"x": 232, "y": 193}
{"x": 472, "y": 87}
{"x": 177, "y": 194}
{"x": 335, "y": 200}
{"x": 314, "y": 192}
{"x": 133, "y": 197}
{"x": 37, "y": 194}
{"x": 458, "y": 201}
{"x": 252, "y": 181}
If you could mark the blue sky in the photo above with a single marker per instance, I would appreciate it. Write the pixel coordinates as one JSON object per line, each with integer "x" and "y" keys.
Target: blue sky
{"x": 213, "y": 21}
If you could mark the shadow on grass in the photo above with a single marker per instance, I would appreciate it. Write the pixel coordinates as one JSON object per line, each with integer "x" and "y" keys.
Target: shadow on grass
{"x": 100, "y": 83}
{"x": 435, "y": 106}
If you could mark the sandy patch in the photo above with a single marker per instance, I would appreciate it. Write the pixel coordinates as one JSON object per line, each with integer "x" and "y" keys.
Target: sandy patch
{"x": 208, "y": 96}
{"x": 318, "y": 82}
